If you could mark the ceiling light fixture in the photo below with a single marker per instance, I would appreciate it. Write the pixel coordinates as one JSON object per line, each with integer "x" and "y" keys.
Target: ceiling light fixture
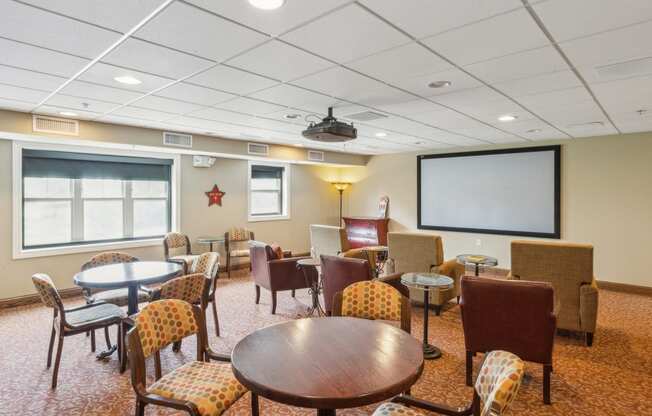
{"x": 298, "y": 145}
{"x": 534, "y": 131}
{"x": 68, "y": 113}
{"x": 439, "y": 84}
{"x": 267, "y": 4}
{"x": 292, "y": 116}
{"x": 381, "y": 134}
{"x": 507, "y": 117}
{"x": 128, "y": 79}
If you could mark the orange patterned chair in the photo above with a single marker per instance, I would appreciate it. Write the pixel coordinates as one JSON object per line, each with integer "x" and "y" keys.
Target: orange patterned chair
{"x": 177, "y": 249}
{"x": 373, "y": 299}
{"x": 208, "y": 264}
{"x": 201, "y": 387}
{"x": 496, "y": 387}
{"x": 233, "y": 239}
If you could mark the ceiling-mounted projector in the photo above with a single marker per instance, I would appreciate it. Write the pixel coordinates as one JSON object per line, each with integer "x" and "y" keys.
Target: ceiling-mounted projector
{"x": 330, "y": 130}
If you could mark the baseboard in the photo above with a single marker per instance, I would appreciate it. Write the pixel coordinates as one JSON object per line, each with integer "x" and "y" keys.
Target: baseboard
{"x": 625, "y": 288}
{"x": 34, "y": 298}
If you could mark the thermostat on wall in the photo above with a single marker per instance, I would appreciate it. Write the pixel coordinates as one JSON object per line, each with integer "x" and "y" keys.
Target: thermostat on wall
{"x": 199, "y": 161}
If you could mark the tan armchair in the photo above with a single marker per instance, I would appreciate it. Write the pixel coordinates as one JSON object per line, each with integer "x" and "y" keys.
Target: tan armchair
{"x": 417, "y": 252}
{"x": 569, "y": 268}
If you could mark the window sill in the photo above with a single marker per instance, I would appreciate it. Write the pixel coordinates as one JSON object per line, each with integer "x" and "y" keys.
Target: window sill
{"x": 85, "y": 248}
{"x": 260, "y": 218}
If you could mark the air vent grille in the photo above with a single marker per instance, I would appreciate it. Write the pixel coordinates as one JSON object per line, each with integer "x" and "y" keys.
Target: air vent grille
{"x": 43, "y": 124}
{"x": 177, "y": 139}
{"x": 625, "y": 69}
{"x": 315, "y": 156}
{"x": 257, "y": 149}
{"x": 366, "y": 116}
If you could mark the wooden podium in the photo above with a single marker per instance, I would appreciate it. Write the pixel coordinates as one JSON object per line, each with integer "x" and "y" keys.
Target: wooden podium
{"x": 366, "y": 231}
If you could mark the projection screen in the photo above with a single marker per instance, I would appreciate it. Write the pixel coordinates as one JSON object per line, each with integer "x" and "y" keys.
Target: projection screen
{"x": 507, "y": 191}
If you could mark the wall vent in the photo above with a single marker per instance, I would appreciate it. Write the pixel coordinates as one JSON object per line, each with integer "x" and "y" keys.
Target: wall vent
{"x": 366, "y": 116}
{"x": 177, "y": 139}
{"x": 315, "y": 156}
{"x": 257, "y": 149}
{"x": 44, "y": 124}
{"x": 635, "y": 67}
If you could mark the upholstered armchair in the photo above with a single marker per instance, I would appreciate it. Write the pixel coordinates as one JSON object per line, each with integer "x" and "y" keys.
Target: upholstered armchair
{"x": 507, "y": 315}
{"x": 418, "y": 252}
{"x": 273, "y": 273}
{"x": 568, "y": 267}
{"x": 332, "y": 241}
{"x": 177, "y": 249}
{"x": 339, "y": 272}
{"x": 233, "y": 241}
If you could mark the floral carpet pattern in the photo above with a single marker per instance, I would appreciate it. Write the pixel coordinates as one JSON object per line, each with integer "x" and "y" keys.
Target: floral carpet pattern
{"x": 614, "y": 377}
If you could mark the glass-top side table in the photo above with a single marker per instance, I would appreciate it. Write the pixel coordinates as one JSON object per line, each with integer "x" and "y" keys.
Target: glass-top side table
{"x": 210, "y": 241}
{"x": 311, "y": 268}
{"x": 427, "y": 282}
{"x": 477, "y": 260}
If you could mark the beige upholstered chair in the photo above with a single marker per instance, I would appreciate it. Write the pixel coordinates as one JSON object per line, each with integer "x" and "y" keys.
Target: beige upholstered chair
{"x": 177, "y": 249}
{"x": 569, "y": 268}
{"x": 419, "y": 252}
{"x": 208, "y": 264}
{"x": 236, "y": 245}
{"x": 332, "y": 241}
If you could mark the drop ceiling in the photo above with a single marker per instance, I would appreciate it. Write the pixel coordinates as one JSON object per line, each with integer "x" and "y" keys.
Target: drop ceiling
{"x": 565, "y": 68}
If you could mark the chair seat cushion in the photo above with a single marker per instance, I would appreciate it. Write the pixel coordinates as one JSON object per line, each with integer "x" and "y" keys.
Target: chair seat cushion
{"x": 395, "y": 409}
{"x": 119, "y": 297}
{"x": 239, "y": 253}
{"x": 188, "y": 259}
{"x": 97, "y": 313}
{"x": 212, "y": 387}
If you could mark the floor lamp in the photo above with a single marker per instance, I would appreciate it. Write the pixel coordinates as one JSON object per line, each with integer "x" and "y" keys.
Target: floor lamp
{"x": 340, "y": 186}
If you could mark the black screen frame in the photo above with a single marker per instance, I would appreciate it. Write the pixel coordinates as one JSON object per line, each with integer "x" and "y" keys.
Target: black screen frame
{"x": 556, "y": 234}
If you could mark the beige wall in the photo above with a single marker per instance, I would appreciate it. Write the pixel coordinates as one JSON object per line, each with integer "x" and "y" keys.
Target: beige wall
{"x": 606, "y": 201}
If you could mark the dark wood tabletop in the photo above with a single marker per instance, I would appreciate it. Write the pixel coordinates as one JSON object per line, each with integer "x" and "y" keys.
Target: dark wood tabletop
{"x": 328, "y": 363}
{"x": 126, "y": 274}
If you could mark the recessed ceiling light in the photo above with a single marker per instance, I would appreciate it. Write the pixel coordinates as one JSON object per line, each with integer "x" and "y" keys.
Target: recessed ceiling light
{"x": 68, "y": 113}
{"x": 534, "y": 131}
{"x": 419, "y": 143}
{"x": 267, "y": 4}
{"x": 128, "y": 79}
{"x": 507, "y": 117}
{"x": 439, "y": 84}
{"x": 381, "y": 134}
{"x": 298, "y": 145}
{"x": 292, "y": 116}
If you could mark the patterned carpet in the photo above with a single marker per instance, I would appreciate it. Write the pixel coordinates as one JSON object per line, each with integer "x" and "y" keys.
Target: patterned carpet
{"x": 611, "y": 378}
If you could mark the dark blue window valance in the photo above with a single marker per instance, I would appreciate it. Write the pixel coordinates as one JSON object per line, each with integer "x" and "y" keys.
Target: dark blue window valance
{"x": 266, "y": 172}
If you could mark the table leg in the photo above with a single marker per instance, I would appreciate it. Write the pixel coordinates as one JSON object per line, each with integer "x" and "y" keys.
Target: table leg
{"x": 325, "y": 412}
{"x": 211, "y": 246}
{"x": 477, "y": 269}
{"x": 430, "y": 352}
{"x": 132, "y": 306}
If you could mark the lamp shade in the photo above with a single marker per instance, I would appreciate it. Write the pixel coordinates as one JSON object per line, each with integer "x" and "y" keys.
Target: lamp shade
{"x": 340, "y": 186}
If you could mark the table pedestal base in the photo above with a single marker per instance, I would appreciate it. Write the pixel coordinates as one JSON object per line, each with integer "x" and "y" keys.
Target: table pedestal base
{"x": 430, "y": 352}
{"x": 325, "y": 412}
{"x": 107, "y": 353}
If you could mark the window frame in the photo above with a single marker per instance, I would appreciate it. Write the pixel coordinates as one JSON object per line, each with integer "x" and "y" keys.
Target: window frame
{"x": 20, "y": 252}
{"x": 285, "y": 192}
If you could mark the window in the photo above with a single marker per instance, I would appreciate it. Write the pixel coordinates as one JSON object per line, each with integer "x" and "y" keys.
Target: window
{"x": 72, "y": 199}
{"x": 268, "y": 191}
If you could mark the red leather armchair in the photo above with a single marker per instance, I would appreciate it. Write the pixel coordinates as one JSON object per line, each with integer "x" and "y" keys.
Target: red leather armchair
{"x": 512, "y": 316}
{"x": 339, "y": 272}
{"x": 274, "y": 274}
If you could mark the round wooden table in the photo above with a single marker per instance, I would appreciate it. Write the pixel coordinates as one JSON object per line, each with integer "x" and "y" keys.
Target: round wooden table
{"x": 129, "y": 275}
{"x": 328, "y": 363}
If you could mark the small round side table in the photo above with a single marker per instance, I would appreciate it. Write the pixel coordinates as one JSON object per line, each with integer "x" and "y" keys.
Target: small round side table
{"x": 427, "y": 282}
{"x": 477, "y": 260}
{"x": 311, "y": 268}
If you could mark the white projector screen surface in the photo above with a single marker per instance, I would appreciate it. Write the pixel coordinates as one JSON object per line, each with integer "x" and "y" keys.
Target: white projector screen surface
{"x": 512, "y": 192}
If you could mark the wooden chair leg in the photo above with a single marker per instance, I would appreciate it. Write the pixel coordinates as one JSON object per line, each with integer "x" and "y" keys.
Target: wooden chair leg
{"x": 92, "y": 340}
{"x": 589, "y": 339}
{"x": 123, "y": 341}
{"x": 228, "y": 264}
{"x": 57, "y": 361}
{"x": 273, "y": 302}
{"x": 140, "y": 408}
{"x": 157, "y": 365}
{"x": 294, "y": 293}
{"x": 254, "y": 405}
{"x": 469, "y": 368}
{"x": 217, "y": 322}
{"x": 547, "y": 369}
{"x": 257, "y": 294}
{"x": 437, "y": 310}
{"x": 107, "y": 338}
{"x": 176, "y": 346}
{"x": 51, "y": 347}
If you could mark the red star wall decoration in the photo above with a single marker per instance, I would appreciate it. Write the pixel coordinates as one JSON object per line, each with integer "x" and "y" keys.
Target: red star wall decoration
{"x": 215, "y": 196}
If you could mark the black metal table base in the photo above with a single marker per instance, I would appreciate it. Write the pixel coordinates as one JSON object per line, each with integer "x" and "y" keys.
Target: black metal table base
{"x": 430, "y": 352}
{"x": 316, "y": 308}
{"x": 325, "y": 412}
{"x": 107, "y": 353}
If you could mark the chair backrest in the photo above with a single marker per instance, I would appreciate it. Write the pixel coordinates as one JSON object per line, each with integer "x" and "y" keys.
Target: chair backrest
{"x": 108, "y": 257}
{"x": 175, "y": 244}
{"x": 414, "y": 252}
{"x": 373, "y": 299}
{"x": 338, "y": 273}
{"x": 47, "y": 291}
{"x": 498, "y": 381}
{"x": 163, "y": 322}
{"x": 508, "y": 315}
{"x": 328, "y": 240}
{"x": 239, "y": 234}
{"x": 566, "y": 266}
{"x": 207, "y": 263}
{"x": 190, "y": 288}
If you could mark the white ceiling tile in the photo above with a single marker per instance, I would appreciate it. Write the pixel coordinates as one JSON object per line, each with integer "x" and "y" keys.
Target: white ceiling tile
{"x": 625, "y": 96}
{"x": 194, "y": 94}
{"x": 404, "y": 62}
{"x": 39, "y": 59}
{"x": 99, "y": 92}
{"x": 119, "y": 15}
{"x": 348, "y": 85}
{"x": 280, "y": 61}
{"x": 275, "y": 22}
{"x": 53, "y": 31}
{"x": 419, "y": 85}
{"x": 9, "y": 92}
{"x": 142, "y": 113}
{"x": 502, "y": 35}
{"x": 29, "y": 79}
{"x": 568, "y": 19}
{"x": 157, "y": 60}
{"x": 558, "y": 80}
{"x": 408, "y": 108}
{"x": 296, "y": 97}
{"x": 231, "y": 80}
{"x": 556, "y": 100}
{"x": 520, "y": 65}
{"x": 189, "y": 29}
{"x": 633, "y": 122}
{"x": 223, "y": 116}
{"x": 592, "y": 130}
{"x": 15, "y": 105}
{"x": 167, "y": 105}
{"x": 422, "y": 18}
{"x": 298, "y": 121}
{"x": 56, "y": 111}
{"x": 249, "y": 106}
{"x": 468, "y": 97}
{"x": 358, "y": 34}
{"x": 105, "y": 74}
{"x": 80, "y": 104}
